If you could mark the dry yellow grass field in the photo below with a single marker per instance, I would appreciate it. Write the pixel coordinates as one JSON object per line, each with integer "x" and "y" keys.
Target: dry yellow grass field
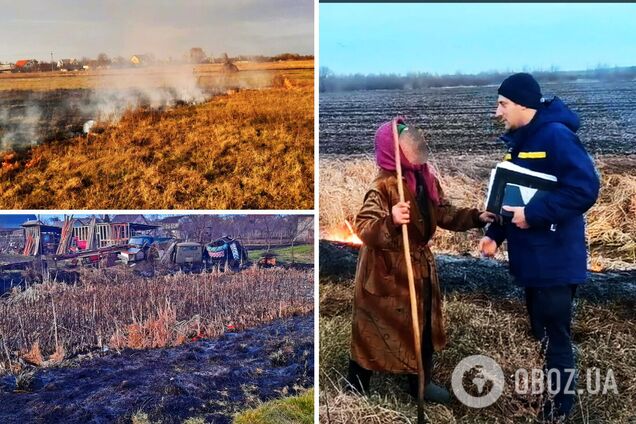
{"x": 478, "y": 324}
{"x": 43, "y": 81}
{"x": 611, "y": 228}
{"x": 251, "y": 149}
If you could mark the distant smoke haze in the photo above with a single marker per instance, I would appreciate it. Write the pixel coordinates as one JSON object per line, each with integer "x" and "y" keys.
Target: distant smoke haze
{"x": 34, "y": 29}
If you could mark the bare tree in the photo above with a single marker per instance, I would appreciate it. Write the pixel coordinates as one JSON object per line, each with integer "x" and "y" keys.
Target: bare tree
{"x": 298, "y": 225}
{"x": 196, "y": 227}
{"x": 103, "y": 59}
{"x": 264, "y": 225}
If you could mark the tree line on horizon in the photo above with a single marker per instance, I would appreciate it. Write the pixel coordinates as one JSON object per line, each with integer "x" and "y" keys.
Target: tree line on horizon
{"x": 331, "y": 82}
{"x": 195, "y": 55}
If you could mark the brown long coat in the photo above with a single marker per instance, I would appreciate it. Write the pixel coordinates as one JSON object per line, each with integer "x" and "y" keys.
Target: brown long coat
{"x": 382, "y": 336}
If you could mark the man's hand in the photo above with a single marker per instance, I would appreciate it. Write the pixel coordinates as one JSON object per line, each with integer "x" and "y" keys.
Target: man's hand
{"x": 401, "y": 213}
{"x": 487, "y": 247}
{"x": 489, "y": 217}
{"x": 519, "y": 216}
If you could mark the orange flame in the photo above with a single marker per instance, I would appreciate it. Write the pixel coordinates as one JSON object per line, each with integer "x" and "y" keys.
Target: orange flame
{"x": 344, "y": 234}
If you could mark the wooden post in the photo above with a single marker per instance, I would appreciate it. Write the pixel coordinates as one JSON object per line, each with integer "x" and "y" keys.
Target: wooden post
{"x": 412, "y": 295}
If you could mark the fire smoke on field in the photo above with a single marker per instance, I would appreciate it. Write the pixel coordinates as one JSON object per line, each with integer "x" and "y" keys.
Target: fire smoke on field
{"x": 30, "y": 117}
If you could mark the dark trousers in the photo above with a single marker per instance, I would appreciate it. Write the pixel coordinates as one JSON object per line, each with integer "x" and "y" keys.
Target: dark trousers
{"x": 359, "y": 378}
{"x": 550, "y": 311}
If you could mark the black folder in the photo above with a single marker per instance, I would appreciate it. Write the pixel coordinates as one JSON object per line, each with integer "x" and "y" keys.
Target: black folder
{"x": 514, "y": 185}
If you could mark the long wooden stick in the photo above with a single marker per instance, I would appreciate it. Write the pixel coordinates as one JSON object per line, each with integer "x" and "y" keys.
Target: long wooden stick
{"x": 412, "y": 295}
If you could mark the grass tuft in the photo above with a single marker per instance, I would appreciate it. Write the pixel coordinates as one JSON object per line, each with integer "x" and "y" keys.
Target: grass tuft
{"x": 291, "y": 410}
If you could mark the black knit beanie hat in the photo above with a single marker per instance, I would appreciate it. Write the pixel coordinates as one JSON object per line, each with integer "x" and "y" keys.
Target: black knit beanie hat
{"x": 522, "y": 89}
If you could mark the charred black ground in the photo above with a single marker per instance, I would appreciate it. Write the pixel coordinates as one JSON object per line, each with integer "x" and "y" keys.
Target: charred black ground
{"x": 465, "y": 274}
{"x": 209, "y": 379}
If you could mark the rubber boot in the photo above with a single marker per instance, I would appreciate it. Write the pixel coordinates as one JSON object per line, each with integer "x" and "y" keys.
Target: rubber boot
{"x": 358, "y": 378}
{"x": 432, "y": 392}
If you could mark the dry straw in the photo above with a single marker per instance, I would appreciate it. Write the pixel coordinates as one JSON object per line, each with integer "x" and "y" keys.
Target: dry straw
{"x": 611, "y": 229}
{"x": 605, "y": 336}
{"x": 113, "y": 309}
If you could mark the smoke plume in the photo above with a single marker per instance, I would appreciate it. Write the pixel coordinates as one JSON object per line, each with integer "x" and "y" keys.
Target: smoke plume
{"x": 28, "y": 118}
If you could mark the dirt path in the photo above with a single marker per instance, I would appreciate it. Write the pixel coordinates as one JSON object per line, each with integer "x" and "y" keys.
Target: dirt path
{"x": 211, "y": 379}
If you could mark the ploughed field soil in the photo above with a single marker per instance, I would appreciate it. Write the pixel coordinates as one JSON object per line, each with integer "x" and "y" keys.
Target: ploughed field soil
{"x": 210, "y": 379}
{"x": 459, "y": 119}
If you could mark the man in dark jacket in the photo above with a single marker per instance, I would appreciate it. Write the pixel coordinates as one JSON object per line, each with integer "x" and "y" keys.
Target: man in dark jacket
{"x": 546, "y": 238}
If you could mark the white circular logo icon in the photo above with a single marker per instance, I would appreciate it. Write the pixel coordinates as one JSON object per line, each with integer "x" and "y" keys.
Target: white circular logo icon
{"x": 483, "y": 373}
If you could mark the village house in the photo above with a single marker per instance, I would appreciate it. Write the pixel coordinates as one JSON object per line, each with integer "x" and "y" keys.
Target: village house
{"x": 141, "y": 60}
{"x": 25, "y": 65}
{"x": 173, "y": 226}
{"x": 197, "y": 55}
{"x": 68, "y": 64}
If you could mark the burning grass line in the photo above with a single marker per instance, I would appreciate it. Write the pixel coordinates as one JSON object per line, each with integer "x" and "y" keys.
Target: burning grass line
{"x": 611, "y": 223}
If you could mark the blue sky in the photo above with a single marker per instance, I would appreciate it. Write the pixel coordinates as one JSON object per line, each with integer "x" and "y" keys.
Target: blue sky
{"x": 470, "y": 38}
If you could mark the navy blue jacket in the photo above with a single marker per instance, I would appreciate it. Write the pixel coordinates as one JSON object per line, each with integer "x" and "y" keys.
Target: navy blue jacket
{"x": 553, "y": 250}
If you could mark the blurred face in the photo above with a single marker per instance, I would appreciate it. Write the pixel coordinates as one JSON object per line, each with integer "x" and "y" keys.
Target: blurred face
{"x": 413, "y": 145}
{"x": 512, "y": 114}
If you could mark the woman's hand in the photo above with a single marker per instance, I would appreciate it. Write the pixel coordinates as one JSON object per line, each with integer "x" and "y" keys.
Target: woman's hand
{"x": 401, "y": 213}
{"x": 489, "y": 217}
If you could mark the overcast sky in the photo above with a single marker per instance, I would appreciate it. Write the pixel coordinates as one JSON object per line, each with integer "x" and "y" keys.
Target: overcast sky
{"x": 470, "y": 38}
{"x": 70, "y": 28}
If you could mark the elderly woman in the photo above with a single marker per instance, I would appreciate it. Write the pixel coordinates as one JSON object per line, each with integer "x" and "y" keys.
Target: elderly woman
{"x": 382, "y": 336}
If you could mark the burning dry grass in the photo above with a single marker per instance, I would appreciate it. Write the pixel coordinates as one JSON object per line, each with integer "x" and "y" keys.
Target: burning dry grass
{"x": 249, "y": 150}
{"x": 109, "y": 309}
{"x": 611, "y": 226}
{"x": 605, "y": 339}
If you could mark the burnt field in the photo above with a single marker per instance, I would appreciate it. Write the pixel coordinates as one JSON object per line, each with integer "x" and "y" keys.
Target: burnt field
{"x": 117, "y": 347}
{"x": 183, "y": 138}
{"x": 459, "y": 119}
{"x": 30, "y": 118}
{"x": 54, "y": 114}
{"x": 208, "y": 379}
